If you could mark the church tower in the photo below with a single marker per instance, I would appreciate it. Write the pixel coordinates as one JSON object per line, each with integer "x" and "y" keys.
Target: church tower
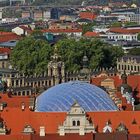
{"x": 56, "y": 68}
{"x": 84, "y": 74}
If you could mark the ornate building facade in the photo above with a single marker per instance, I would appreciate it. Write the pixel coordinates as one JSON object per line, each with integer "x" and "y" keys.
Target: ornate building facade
{"x": 20, "y": 84}
{"x": 131, "y": 64}
{"x": 76, "y": 122}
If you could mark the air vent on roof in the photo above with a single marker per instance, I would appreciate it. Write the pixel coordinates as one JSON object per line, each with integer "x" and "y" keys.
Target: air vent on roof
{"x": 134, "y": 122}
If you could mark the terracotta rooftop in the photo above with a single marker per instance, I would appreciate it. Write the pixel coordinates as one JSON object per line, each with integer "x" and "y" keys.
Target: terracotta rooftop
{"x": 51, "y": 121}
{"x": 26, "y": 28}
{"x": 121, "y": 30}
{"x": 5, "y": 50}
{"x": 14, "y": 101}
{"x": 87, "y": 15}
{"x": 91, "y": 34}
{"x": 132, "y": 80}
{"x": 7, "y": 36}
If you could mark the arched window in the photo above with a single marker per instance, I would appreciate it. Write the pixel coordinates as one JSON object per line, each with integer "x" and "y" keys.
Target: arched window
{"x": 78, "y": 123}
{"x": 73, "y": 123}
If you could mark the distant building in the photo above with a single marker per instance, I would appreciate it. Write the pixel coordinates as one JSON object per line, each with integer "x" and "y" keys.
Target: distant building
{"x": 0, "y": 14}
{"x": 4, "y": 57}
{"x": 38, "y": 15}
{"x": 22, "y": 30}
{"x": 69, "y": 32}
{"x": 106, "y": 19}
{"x": 46, "y": 15}
{"x": 26, "y": 14}
{"x": 129, "y": 64}
{"x": 55, "y": 13}
{"x": 135, "y": 18}
{"x": 119, "y": 33}
{"x": 70, "y": 17}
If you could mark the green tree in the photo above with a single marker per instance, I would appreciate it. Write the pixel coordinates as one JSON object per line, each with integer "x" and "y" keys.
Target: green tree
{"x": 135, "y": 51}
{"x": 36, "y": 33}
{"x": 31, "y": 56}
{"x": 138, "y": 36}
{"x": 88, "y": 27}
{"x": 130, "y": 24}
{"x": 4, "y": 30}
{"x": 116, "y": 24}
{"x": 100, "y": 54}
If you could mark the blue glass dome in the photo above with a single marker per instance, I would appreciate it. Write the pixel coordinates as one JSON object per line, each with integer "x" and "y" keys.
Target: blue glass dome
{"x": 61, "y": 97}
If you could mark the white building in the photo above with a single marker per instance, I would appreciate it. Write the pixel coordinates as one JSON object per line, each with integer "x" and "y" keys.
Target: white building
{"x": 21, "y": 30}
{"x": 123, "y": 36}
{"x": 119, "y": 33}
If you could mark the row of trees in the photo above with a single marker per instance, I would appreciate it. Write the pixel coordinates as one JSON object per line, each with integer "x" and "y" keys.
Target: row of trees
{"x": 32, "y": 55}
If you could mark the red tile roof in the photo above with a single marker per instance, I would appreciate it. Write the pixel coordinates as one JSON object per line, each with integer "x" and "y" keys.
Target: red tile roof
{"x": 91, "y": 34}
{"x": 7, "y": 36}
{"x": 121, "y": 30}
{"x": 51, "y": 120}
{"x": 26, "y": 28}
{"x": 87, "y": 15}
{"x": 132, "y": 80}
{"x": 15, "y": 101}
{"x": 15, "y": 137}
{"x": 97, "y": 80}
{"x": 5, "y": 50}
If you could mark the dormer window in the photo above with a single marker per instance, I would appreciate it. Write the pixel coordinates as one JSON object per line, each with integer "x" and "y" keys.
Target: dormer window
{"x": 28, "y": 129}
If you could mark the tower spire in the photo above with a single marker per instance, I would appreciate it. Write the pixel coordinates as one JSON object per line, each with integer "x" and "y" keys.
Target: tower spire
{"x": 85, "y": 61}
{"x": 55, "y": 56}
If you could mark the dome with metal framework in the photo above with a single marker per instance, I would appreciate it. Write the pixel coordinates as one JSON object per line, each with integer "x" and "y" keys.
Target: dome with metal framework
{"x": 61, "y": 97}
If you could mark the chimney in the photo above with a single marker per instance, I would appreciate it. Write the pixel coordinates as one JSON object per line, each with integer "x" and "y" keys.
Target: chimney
{"x": 1, "y": 107}
{"x": 23, "y": 106}
{"x": 42, "y": 131}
